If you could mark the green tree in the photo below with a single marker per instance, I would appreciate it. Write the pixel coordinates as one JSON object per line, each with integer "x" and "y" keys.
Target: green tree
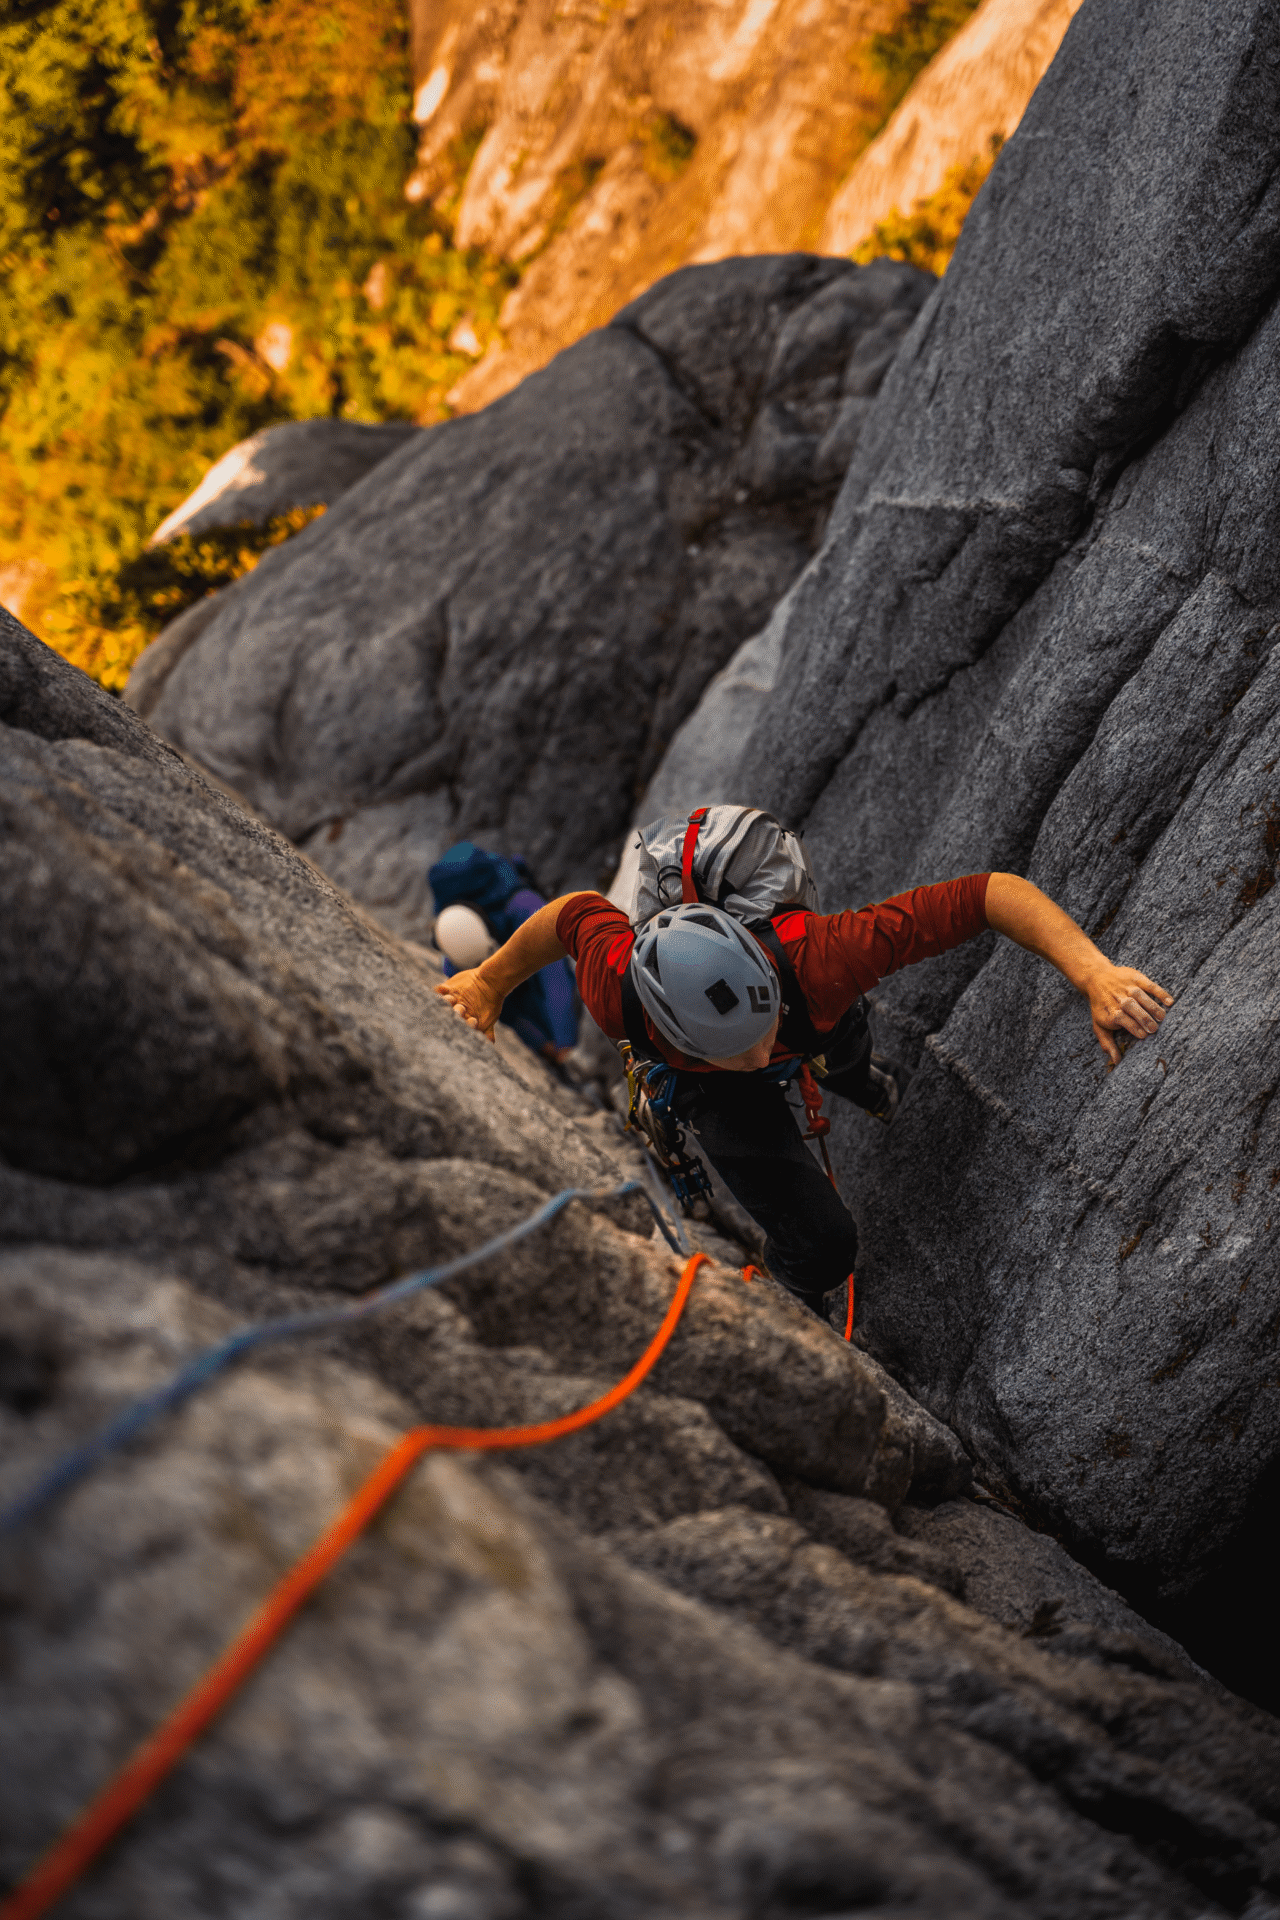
{"x": 202, "y": 231}
{"x": 905, "y": 50}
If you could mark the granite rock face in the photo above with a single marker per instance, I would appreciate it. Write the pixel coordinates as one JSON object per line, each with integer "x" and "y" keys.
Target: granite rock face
{"x": 490, "y": 1711}
{"x": 685, "y": 1662}
{"x": 621, "y": 144}
{"x": 304, "y": 463}
{"x": 547, "y": 585}
{"x": 1040, "y": 636}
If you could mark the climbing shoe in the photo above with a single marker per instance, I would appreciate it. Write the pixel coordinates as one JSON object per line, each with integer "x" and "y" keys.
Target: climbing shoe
{"x": 892, "y": 1079}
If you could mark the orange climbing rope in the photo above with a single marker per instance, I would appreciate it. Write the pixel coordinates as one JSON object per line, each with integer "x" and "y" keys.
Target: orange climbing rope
{"x": 62, "y": 1866}
{"x": 849, "y": 1321}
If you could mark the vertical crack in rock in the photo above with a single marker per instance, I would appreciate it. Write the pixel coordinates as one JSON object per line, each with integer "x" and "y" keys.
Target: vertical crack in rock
{"x": 1083, "y": 687}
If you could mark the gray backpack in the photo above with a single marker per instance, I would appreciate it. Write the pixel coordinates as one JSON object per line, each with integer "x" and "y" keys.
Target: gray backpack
{"x": 732, "y": 857}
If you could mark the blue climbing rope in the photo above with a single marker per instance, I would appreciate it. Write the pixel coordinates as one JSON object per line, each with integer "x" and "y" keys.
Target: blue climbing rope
{"x": 75, "y": 1465}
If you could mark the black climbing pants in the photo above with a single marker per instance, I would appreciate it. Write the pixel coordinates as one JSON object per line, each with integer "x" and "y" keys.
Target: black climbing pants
{"x": 746, "y": 1128}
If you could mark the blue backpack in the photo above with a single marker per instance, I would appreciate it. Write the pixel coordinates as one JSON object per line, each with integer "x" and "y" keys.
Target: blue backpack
{"x": 504, "y": 893}
{"x": 468, "y": 876}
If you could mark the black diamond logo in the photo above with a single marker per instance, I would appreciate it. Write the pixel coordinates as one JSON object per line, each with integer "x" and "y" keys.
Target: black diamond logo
{"x": 722, "y": 997}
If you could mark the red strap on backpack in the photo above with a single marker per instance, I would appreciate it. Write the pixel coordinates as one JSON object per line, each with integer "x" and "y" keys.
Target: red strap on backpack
{"x": 688, "y": 891}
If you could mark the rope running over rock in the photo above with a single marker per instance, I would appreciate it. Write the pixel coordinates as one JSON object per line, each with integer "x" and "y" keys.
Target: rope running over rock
{"x": 63, "y": 1865}
{"x": 74, "y": 1466}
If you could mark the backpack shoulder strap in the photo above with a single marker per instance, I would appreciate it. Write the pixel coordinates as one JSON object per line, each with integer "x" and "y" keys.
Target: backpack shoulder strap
{"x": 688, "y": 885}
{"x": 797, "y": 1032}
{"x": 633, "y": 1019}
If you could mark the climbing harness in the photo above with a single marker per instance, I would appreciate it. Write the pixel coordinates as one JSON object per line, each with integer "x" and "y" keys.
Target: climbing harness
{"x": 63, "y": 1865}
{"x": 652, "y": 1082}
{"x": 741, "y": 861}
{"x": 651, "y": 1086}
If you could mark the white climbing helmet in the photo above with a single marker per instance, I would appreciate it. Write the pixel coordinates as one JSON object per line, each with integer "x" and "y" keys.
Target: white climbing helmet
{"x": 463, "y": 937}
{"x": 707, "y": 984}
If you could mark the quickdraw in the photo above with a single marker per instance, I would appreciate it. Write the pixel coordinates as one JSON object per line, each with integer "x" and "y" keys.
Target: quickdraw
{"x": 819, "y": 1125}
{"x": 649, "y": 1087}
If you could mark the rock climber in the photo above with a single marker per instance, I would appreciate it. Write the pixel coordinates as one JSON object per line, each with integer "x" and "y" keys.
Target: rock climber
{"x": 481, "y": 899}
{"x": 717, "y": 1004}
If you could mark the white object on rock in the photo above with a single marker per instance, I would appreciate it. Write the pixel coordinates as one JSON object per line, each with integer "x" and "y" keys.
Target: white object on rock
{"x": 430, "y": 94}
{"x": 463, "y": 937}
{"x": 304, "y": 463}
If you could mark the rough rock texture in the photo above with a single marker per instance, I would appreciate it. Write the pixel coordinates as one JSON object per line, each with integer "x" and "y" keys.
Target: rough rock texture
{"x": 487, "y": 1713}
{"x": 547, "y": 585}
{"x": 1040, "y": 636}
{"x": 155, "y": 663}
{"x": 683, "y": 1663}
{"x": 975, "y": 90}
{"x": 620, "y": 143}
{"x": 1027, "y": 1581}
{"x": 304, "y": 463}
{"x": 212, "y": 1058}
{"x": 703, "y": 764}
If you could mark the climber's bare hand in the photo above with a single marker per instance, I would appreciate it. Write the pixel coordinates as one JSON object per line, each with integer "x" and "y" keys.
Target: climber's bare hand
{"x": 1124, "y": 1003}
{"x": 474, "y": 1000}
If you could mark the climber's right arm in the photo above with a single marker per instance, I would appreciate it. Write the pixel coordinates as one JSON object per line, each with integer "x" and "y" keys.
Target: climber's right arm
{"x": 476, "y": 995}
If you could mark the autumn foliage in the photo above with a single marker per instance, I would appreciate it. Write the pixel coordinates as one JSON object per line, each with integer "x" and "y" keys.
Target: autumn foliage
{"x": 203, "y": 230}
{"x": 927, "y": 235}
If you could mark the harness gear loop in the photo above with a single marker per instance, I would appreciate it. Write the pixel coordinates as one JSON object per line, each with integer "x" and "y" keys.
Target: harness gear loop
{"x": 688, "y": 890}
{"x": 649, "y": 1087}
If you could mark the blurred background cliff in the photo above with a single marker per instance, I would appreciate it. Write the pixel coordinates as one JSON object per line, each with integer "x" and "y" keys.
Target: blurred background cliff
{"x": 217, "y": 218}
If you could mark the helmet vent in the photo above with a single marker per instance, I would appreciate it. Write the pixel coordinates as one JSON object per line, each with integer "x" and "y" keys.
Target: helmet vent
{"x": 722, "y": 996}
{"x": 701, "y": 945}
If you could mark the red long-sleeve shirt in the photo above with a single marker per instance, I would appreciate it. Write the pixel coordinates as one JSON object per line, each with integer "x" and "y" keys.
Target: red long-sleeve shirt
{"x": 836, "y": 956}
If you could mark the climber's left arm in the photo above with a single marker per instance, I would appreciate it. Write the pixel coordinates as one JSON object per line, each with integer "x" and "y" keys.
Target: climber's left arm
{"x": 1119, "y": 997}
